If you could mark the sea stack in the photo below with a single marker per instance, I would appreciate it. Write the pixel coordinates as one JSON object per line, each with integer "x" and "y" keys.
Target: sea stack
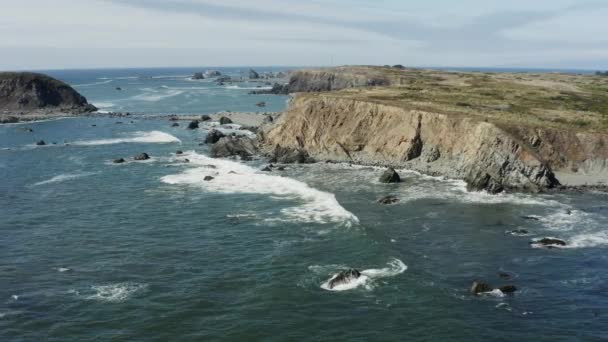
{"x": 25, "y": 93}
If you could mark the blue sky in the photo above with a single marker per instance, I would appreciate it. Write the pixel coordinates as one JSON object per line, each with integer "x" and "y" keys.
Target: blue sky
{"x": 42, "y": 34}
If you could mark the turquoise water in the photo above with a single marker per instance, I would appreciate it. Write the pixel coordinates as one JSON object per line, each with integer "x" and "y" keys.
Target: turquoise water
{"x": 90, "y": 250}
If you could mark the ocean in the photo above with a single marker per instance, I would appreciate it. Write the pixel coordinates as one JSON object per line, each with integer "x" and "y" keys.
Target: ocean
{"x": 144, "y": 251}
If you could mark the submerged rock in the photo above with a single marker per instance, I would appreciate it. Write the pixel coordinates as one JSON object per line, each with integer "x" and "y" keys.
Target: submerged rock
{"x": 119, "y": 161}
{"x": 179, "y": 152}
{"x": 205, "y": 118}
{"x": 518, "y": 232}
{"x": 225, "y": 121}
{"x": 390, "y": 176}
{"x": 508, "y": 289}
{"x": 267, "y": 169}
{"x": 40, "y": 143}
{"x": 214, "y": 136}
{"x": 208, "y": 178}
{"x": 175, "y": 124}
{"x": 389, "y": 200}
{"x": 261, "y": 104}
{"x": 142, "y": 156}
{"x": 343, "y": 277}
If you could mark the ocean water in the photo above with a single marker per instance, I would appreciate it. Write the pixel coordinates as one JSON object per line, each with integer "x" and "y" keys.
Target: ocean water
{"x": 91, "y": 250}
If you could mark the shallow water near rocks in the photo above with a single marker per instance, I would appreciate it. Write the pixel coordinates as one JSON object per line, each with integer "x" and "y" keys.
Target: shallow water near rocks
{"x": 148, "y": 251}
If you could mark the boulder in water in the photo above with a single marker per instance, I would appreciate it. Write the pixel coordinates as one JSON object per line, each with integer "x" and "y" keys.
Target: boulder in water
{"x": 179, "y": 152}
{"x": 205, "y": 118}
{"x": 198, "y": 76}
{"x": 193, "y": 124}
{"x": 142, "y": 156}
{"x": 389, "y": 200}
{"x": 175, "y": 124}
{"x": 208, "y": 178}
{"x": 234, "y": 146}
{"x": 119, "y": 161}
{"x": 508, "y": 289}
{"x": 343, "y": 277}
{"x": 267, "y": 169}
{"x": 214, "y": 136}
{"x": 225, "y": 121}
{"x": 390, "y": 176}
{"x": 549, "y": 243}
{"x": 480, "y": 287}
{"x": 40, "y": 143}
{"x": 285, "y": 155}
{"x": 261, "y": 104}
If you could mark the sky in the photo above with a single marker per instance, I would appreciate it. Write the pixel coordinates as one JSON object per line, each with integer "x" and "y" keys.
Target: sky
{"x": 72, "y": 34}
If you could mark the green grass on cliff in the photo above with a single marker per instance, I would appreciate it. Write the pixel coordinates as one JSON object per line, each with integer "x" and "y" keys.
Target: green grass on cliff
{"x": 551, "y": 99}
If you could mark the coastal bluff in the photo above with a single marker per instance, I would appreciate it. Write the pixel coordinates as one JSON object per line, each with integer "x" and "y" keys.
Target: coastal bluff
{"x": 24, "y": 95}
{"x": 498, "y": 132}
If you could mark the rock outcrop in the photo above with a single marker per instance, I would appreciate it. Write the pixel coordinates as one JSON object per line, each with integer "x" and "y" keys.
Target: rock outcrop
{"x": 487, "y": 156}
{"x": 242, "y": 146}
{"x": 24, "y": 92}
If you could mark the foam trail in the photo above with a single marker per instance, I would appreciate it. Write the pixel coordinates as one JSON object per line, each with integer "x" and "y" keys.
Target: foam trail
{"x": 92, "y": 84}
{"x": 395, "y": 267}
{"x": 64, "y": 177}
{"x": 233, "y": 177}
{"x": 157, "y": 97}
{"x": 153, "y": 137}
{"x": 115, "y": 293}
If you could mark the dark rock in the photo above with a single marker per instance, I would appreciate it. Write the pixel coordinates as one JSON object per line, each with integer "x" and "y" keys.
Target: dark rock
{"x": 483, "y": 181}
{"x": 10, "y": 119}
{"x": 223, "y": 79}
{"x": 504, "y": 275}
{"x": 281, "y": 168}
{"x": 268, "y": 119}
{"x": 175, "y": 124}
{"x": 390, "y": 176}
{"x": 225, "y": 121}
{"x": 179, "y": 152}
{"x": 388, "y": 200}
{"x": 343, "y": 277}
{"x": 212, "y": 73}
{"x": 186, "y": 160}
{"x": 234, "y": 146}
{"x": 205, "y": 118}
{"x": 118, "y": 88}
{"x": 193, "y": 124}
{"x": 261, "y": 104}
{"x": 253, "y": 74}
{"x": 531, "y": 218}
{"x": 208, "y": 178}
{"x": 214, "y": 136}
{"x": 507, "y": 289}
{"x": 198, "y": 76}
{"x": 549, "y": 242}
{"x": 119, "y": 161}
{"x": 284, "y": 155}
{"x": 267, "y": 169}
{"x": 252, "y": 129}
{"x": 142, "y": 156}
{"x": 40, "y": 143}
{"x": 27, "y": 92}
{"x": 480, "y": 287}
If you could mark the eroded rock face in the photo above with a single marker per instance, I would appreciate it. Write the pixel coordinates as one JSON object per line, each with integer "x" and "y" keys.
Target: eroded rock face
{"x": 284, "y": 155}
{"x": 30, "y": 92}
{"x": 486, "y": 156}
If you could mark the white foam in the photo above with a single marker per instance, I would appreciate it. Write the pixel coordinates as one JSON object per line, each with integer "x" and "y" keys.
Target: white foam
{"x": 155, "y": 97}
{"x": 115, "y": 293}
{"x": 578, "y": 228}
{"x": 63, "y": 269}
{"x": 64, "y": 177}
{"x": 103, "y": 104}
{"x": 232, "y": 177}
{"x": 366, "y": 280}
{"x": 236, "y": 87}
{"x": 137, "y": 137}
{"x": 92, "y": 84}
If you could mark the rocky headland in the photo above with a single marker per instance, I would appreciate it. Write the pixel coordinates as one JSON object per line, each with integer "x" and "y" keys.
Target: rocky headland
{"x": 33, "y": 96}
{"x": 498, "y": 132}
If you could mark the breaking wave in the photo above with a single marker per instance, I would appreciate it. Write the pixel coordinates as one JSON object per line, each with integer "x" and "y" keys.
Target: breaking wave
{"x": 232, "y": 177}
{"x": 64, "y": 177}
{"x": 153, "y": 137}
{"x": 367, "y": 278}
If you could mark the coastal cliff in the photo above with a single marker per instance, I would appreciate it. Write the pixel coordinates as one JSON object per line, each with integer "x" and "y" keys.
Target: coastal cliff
{"x": 23, "y": 93}
{"x": 479, "y": 141}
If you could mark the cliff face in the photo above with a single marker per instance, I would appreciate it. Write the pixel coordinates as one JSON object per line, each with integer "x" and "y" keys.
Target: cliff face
{"x": 31, "y": 92}
{"x": 488, "y": 156}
